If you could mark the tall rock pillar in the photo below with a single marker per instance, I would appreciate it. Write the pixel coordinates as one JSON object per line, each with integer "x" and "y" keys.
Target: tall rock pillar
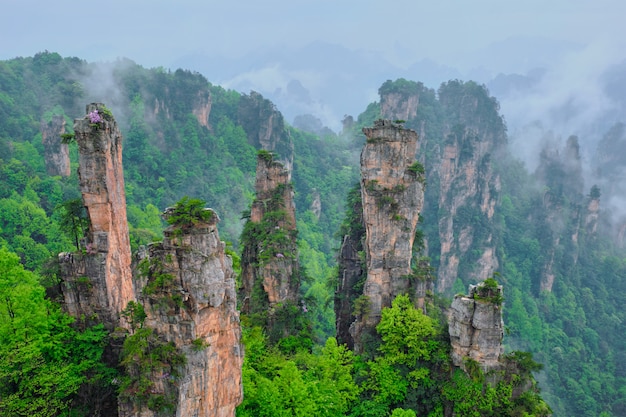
{"x": 269, "y": 262}
{"x": 56, "y": 152}
{"x": 392, "y": 193}
{"x": 187, "y": 287}
{"x": 100, "y": 278}
{"x": 476, "y": 327}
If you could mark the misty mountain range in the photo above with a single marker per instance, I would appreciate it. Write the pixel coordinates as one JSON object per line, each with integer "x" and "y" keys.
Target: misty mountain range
{"x": 328, "y": 80}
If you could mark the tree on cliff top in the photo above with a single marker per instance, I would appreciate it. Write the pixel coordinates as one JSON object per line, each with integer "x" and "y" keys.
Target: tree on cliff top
{"x": 188, "y": 212}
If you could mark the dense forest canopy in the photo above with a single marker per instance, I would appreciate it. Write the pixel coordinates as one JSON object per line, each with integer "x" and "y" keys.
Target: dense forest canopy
{"x": 560, "y": 258}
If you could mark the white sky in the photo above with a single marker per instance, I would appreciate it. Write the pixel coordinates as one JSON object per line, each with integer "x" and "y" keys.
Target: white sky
{"x": 158, "y": 32}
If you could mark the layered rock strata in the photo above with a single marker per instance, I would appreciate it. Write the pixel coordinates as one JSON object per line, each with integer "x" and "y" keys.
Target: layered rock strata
{"x": 476, "y": 327}
{"x": 392, "y": 194}
{"x": 56, "y": 152}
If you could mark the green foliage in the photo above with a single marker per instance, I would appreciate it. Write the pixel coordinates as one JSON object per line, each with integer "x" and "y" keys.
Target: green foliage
{"x": 188, "y": 212}
{"x": 144, "y": 357}
{"x": 265, "y": 155}
{"x": 68, "y": 138}
{"x": 489, "y": 292}
{"x": 199, "y": 344}
{"x": 300, "y": 385}
{"x": 400, "y": 86}
{"x": 417, "y": 168}
{"x": 134, "y": 314}
{"x": 73, "y": 219}
{"x": 406, "y": 333}
{"x": 43, "y": 360}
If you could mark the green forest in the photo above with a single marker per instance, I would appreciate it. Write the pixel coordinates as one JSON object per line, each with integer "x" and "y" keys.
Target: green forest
{"x": 561, "y": 264}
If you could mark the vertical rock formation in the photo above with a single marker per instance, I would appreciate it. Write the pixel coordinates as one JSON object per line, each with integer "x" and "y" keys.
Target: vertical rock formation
{"x": 189, "y": 322}
{"x": 400, "y": 100}
{"x": 100, "y": 278}
{"x": 392, "y": 196}
{"x": 265, "y": 127}
{"x": 563, "y": 212}
{"x": 270, "y": 267}
{"x": 476, "y": 326}
{"x": 56, "y": 153}
{"x": 469, "y": 185}
{"x": 187, "y": 287}
{"x": 350, "y": 267}
{"x": 351, "y": 274}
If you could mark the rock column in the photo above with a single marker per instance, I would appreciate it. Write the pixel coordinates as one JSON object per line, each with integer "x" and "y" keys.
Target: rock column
{"x": 56, "y": 153}
{"x": 100, "y": 277}
{"x": 392, "y": 194}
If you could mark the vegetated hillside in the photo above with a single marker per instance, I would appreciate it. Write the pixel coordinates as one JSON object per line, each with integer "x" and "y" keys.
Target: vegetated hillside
{"x": 182, "y": 136}
{"x": 483, "y": 212}
{"x": 556, "y": 245}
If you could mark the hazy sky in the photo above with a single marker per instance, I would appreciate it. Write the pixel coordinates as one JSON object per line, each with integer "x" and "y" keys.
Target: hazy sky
{"x": 158, "y": 33}
{"x": 328, "y": 57}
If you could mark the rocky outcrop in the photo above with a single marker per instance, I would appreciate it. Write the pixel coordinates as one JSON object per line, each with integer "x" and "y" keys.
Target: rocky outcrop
{"x": 398, "y": 106}
{"x": 265, "y": 127}
{"x": 180, "y": 305}
{"x": 399, "y": 100}
{"x": 56, "y": 153}
{"x": 351, "y": 274}
{"x": 392, "y": 195}
{"x": 269, "y": 260}
{"x": 187, "y": 287}
{"x": 563, "y": 213}
{"x": 100, "y": 278}
{"x": 476, "y": 327}
{"x": 202, "y": 108}
{"x": 469, "y": 187}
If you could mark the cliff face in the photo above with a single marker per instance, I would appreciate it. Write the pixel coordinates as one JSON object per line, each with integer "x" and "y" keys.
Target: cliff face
{"x": 392, "y": 195}
{"x": 476, "y": 327}
{"x": 564, "y": 212}
{"x": 104, "y": 267}
{"x": 461, "y": 134}
{"x": 270, "y": 257}
{"x": 56, "y": 153}
{"x": 187, "y": 287}
{"x": 265, "y": 127}
{"x": 469, "y": 187}
{"x": 397, "y": 106}
{"x": 184, "y": 285}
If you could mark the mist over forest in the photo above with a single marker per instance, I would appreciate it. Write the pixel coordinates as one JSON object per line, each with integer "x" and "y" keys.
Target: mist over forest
{"x": 267, "y": 123}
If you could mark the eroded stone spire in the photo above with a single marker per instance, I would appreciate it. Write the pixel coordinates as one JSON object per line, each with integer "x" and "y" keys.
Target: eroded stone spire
{"x": 104, "y": 266}
{"x": 392, "y": 194}
{"x": 56, "y": 152}
{"x": 270, "y": 258}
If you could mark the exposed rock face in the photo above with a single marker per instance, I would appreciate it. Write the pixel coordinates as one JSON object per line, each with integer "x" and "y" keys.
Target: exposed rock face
{"x": 197, "y": 311}
{"x": 202, "y": 108}
{"x": 476, "y": 327}
{"x": 561, "y": 172}
{"x": 392, "y": 196}
{"x": 350, "y": 273}
{"x": 265, "y": 127}
{"x": 316, "y": 204}
{"x": 350, "y": 268}
{"x": 105, "y": 268}
{"x": 270, "y": 253}
{"x": 56, "y": 153}
{"x": 398, "y": 106}
{"x": 469, "y": 186}
{"x": 186, "y": 284}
